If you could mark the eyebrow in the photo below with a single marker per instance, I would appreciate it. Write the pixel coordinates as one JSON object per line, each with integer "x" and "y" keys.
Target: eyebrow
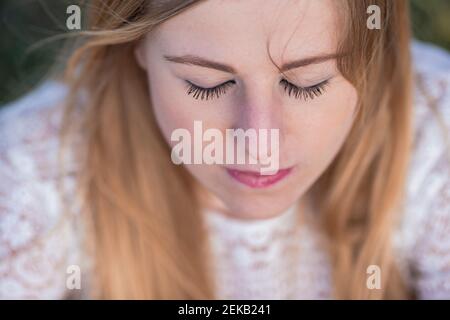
{"x": 202, "y": 62}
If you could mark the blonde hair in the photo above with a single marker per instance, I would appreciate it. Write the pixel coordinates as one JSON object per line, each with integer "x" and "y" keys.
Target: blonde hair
{"x": 146, "y": 245}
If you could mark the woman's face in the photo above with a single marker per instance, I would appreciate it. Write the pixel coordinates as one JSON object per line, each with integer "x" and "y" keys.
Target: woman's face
{"x": 240, "y": 38}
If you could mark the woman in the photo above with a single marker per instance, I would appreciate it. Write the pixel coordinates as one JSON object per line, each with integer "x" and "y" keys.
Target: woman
{"x": 359, "y": 206}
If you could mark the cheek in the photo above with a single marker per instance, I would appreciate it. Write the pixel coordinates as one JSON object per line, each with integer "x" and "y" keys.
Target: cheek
{"x": 175, "y": 109}
{"x": 326, "y": 127}
{"x": 171, "y": 111}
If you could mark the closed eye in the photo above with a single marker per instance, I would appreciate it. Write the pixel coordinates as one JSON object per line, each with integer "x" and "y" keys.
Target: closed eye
{"x": 304, "y": 93}
{"x": 297, "y": 92}
{"x": 208, "y": 93}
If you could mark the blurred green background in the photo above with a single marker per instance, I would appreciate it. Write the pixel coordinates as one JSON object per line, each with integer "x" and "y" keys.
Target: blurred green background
{"x": 25, "y": 58}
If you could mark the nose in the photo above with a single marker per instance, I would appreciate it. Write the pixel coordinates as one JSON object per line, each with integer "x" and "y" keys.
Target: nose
{"x": 260, "y": 108}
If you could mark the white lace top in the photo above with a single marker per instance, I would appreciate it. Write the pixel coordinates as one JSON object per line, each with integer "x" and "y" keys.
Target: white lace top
{"x": 268, "y": 259}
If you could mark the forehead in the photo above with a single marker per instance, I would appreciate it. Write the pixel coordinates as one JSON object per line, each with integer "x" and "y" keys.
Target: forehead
{"x": 246, "y": 31}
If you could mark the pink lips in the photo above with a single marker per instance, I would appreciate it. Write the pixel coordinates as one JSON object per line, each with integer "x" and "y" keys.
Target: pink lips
{"x": 257, "y": 180}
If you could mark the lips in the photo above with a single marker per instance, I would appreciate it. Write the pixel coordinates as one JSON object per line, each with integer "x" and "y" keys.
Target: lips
{"x": 257, "y": 180}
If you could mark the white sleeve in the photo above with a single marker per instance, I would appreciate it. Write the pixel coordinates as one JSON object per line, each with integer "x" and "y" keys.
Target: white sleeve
{"x": 430, "y": 256}
{"x": 36, "y": 242}
{"x": 429, "y": 184}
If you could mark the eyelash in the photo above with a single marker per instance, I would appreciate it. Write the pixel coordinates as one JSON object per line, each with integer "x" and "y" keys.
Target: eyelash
{"x": 298, "y": 92}
{"x": 206, "y": 93}
{"x": 306, "y": 92}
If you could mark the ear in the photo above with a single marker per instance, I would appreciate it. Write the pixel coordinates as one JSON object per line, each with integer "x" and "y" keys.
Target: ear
{"x": 139, "y": 54}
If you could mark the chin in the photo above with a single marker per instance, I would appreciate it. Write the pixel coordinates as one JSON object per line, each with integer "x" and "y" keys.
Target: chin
{"x": 256, "y": 209}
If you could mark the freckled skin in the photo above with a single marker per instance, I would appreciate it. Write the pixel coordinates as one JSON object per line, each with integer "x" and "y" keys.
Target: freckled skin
{"x": 235, "y": 33}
